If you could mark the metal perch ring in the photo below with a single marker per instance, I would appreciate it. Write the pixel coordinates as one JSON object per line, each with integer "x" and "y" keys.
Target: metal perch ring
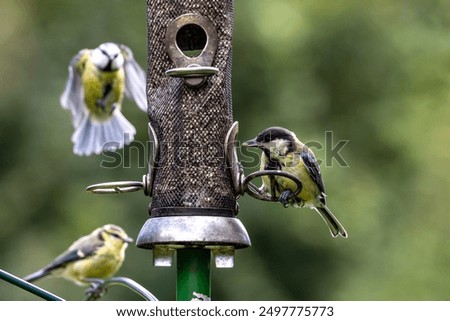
{"x": 120, "y": 187}
{"x": 252, "y": 190}
{"x": 99, "y": 286}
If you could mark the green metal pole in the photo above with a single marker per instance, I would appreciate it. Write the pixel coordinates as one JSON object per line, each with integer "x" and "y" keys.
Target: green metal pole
{"x": 28, "y": 286}
{"x": 193, "y": 273}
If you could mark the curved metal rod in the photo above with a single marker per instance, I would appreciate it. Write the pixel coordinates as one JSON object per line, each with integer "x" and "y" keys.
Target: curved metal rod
{"x": 150, "y": 178}
{"x": 252, "y": 190}
{"x": 116, "y": 187}
{"x": 233, "y": 165}
{"x": 8, "y": 277}
{"x": 100, "y": 286}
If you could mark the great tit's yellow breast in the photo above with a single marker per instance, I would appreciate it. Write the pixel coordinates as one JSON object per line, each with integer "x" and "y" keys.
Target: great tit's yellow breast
{"x": 265, "y": 179}
{"x": 103, "y": 90}
{"x": 294, "y": 165}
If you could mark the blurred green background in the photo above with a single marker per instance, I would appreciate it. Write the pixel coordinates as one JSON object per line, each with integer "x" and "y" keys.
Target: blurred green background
{"x": 375, "y": 73}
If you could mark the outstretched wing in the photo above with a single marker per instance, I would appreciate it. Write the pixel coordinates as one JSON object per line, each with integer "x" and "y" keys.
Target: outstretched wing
{"x": 73, "y": 96}
{"x": 135, "y": 80}
{"x": 312, "y": 166}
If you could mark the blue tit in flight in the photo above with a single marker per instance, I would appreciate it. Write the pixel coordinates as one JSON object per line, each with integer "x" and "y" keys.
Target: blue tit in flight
{"x": 98, "y": 80}
{"x": 281, "y": 150}
{"x": 98, "y": 255}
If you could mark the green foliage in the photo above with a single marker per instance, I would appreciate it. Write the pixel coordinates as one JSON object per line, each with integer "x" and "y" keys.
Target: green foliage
{"x": 375, "y": 73}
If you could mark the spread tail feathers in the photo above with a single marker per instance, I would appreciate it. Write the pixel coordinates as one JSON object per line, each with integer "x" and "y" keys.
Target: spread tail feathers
{"x": 93, "y": 137}
{"x": 334, "y": 225}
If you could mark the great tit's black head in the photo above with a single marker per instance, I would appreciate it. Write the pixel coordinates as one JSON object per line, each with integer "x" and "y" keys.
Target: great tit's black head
{"x": 108, "y": 57}
{"x": 275, "y": 133}
{"x": 277, "y": 138}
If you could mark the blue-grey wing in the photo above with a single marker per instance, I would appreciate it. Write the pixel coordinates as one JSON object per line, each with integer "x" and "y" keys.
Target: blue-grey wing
{"x": 63, "y": 259}
{"x": 83, "y": 248}
{"x": 73, "y": 96}
{"x": 135, "y": 79}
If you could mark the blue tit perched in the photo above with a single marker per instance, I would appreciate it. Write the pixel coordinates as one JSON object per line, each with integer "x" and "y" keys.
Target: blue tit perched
{"x": 281, "y": 150}
{"x": 98, "y": 255}
{"x": 98, "y": 80}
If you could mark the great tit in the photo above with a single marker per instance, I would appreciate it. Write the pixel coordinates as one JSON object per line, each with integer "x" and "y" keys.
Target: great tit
{"x": 98, "y": 255}
{"x": 281, "y": 150}
{"x": 98, "y": 80}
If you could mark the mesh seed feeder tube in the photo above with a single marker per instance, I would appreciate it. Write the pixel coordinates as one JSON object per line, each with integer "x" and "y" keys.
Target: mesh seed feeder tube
{"x": 192, "y": 187}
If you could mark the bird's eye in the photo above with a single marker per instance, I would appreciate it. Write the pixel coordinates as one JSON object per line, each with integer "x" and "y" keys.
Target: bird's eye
{"x": 116, "y": 235}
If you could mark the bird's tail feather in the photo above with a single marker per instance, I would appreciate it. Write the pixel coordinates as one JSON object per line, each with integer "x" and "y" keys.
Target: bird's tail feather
{"x": 93, "y": 137}
{"x": 36, "y": 275}
{"x": 333, "y": 223}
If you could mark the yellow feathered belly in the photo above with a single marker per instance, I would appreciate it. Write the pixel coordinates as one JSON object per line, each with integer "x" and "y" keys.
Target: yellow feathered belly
{"x": 107, "y": 87}
{"x": 309, "y": 191}
{"x": 97, "y": 266}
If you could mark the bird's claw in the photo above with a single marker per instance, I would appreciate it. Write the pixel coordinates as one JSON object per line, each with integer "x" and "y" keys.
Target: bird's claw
{"x": 100, "y": 104}
{"x": 285, "y": 198}
{"x": 96, "y": 289}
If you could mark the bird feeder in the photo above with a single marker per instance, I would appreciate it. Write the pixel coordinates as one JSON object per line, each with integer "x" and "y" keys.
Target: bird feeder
{"x": 190, "y": 112}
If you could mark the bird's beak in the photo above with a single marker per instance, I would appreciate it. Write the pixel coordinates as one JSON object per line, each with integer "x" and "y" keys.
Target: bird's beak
{"x": 251, "y": 143}
{"x": 129, "y": 240}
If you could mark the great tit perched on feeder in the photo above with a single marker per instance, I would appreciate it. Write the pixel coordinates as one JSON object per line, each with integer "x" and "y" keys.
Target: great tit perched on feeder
{"x": 98, "y": 80}
{"x": 98, "y": 255}
{"x": 281, "y": 150}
